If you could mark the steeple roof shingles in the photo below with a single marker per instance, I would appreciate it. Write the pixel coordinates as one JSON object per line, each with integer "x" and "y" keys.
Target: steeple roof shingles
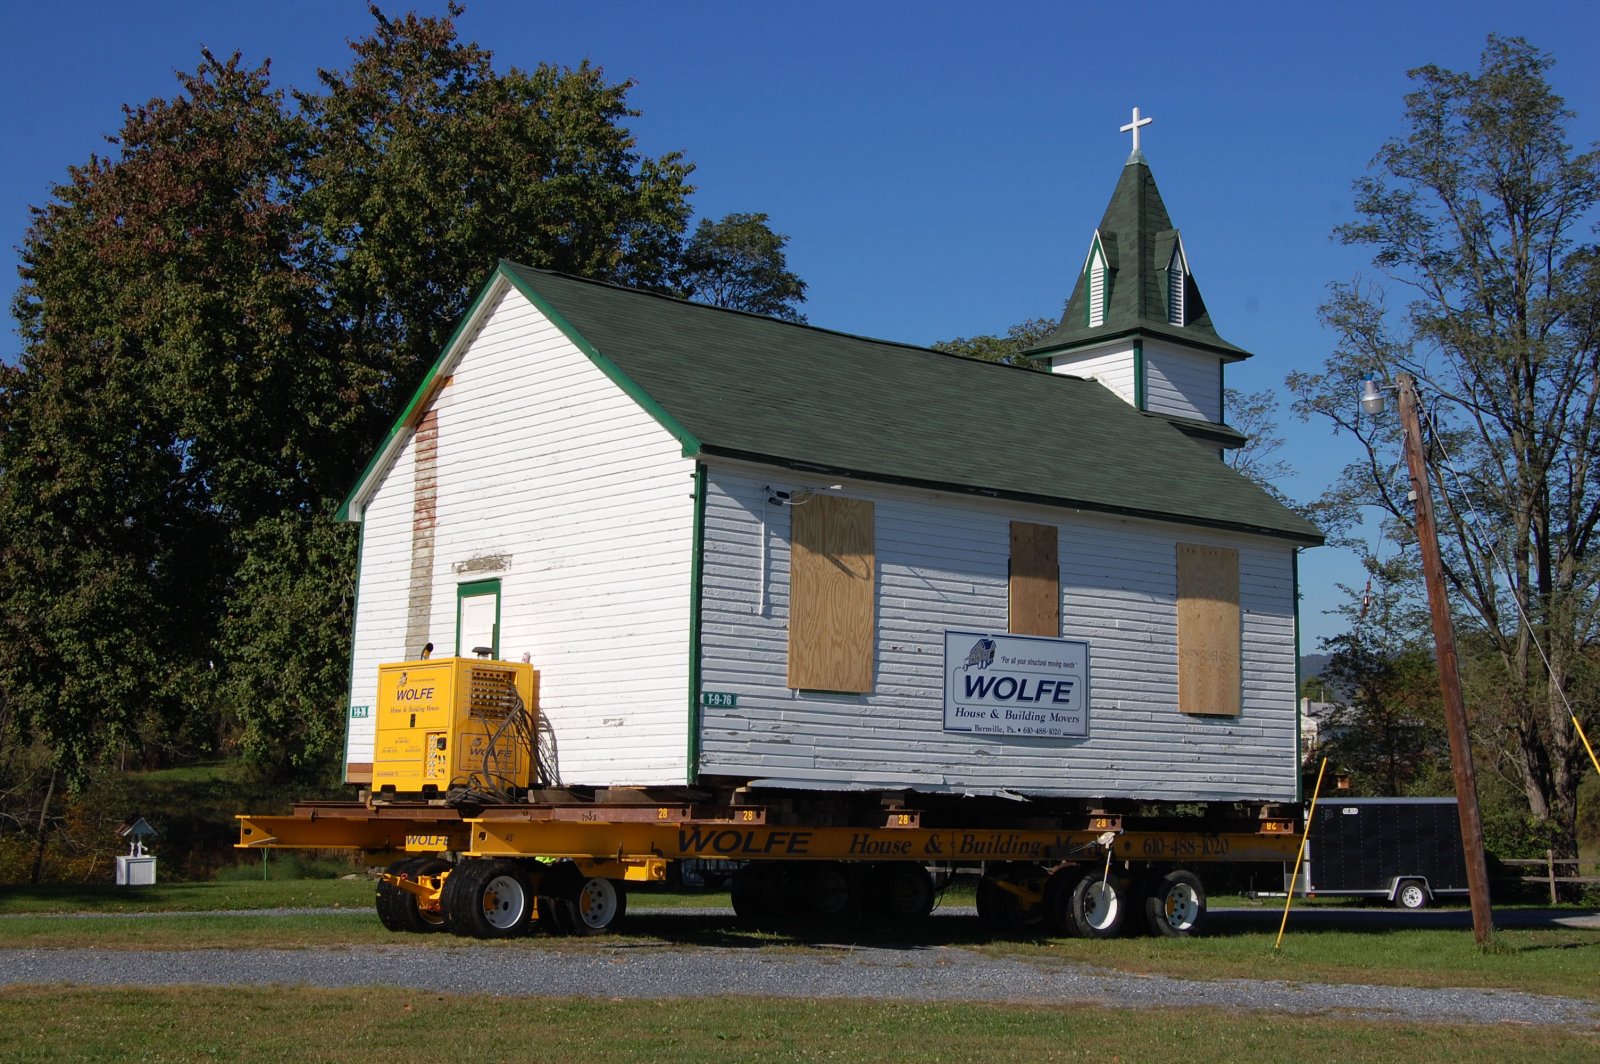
{"x": 1138, "y": 237}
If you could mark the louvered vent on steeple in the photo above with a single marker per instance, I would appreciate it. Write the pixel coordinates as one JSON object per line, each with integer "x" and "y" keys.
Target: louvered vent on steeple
{"x": 1097, "y": 285}
{"x": 1177, "y": 282}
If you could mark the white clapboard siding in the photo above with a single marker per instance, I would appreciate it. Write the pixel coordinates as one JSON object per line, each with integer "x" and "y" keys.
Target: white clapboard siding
{"x": 554, "y": 481}
{"x": 1112, "y": 367}
{"x": 1182, "y": 383}
{"x": 382, "y": 592}
{"x": 942, "y": 563}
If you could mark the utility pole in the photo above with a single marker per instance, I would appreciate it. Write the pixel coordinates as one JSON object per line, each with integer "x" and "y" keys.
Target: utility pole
{"x": 1444, "y": 637}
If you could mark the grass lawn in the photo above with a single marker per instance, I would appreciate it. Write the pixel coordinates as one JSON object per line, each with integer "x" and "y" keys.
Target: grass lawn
{"x": 1561, "y": 962}
{"x": 250, "y": 893}
{"x": 275, "y": 1023}
{"x": 191, "y": 897}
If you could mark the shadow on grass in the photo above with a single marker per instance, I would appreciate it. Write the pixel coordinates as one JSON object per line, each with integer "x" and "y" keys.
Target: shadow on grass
{"x": 87, "y": 897}
{"x": 958, "y": 929}
{"x": 644, "y": 931}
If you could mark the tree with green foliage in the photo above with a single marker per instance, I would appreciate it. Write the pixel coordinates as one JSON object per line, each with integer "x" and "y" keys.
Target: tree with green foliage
{"x": 739, "y": 262}
{"x": 1008, "y": 348}
{"x": 1479, "y": 212}
{"x": 427, "y": 165}
{"x": 1386, "y": 729}
{"x": 1255, "y": 414}
{"x": 220, "y": 318}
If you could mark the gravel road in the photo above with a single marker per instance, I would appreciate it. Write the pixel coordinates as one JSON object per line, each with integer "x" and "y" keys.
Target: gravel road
{"x": 938, "y": 973}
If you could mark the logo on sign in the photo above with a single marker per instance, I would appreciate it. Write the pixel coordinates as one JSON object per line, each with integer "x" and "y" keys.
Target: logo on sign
{"x": 981, "y": 655}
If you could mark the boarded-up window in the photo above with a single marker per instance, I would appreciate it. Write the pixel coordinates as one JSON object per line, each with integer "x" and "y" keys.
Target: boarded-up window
{"x": 832, "y": 575}
{"x": 1035, "y": 585}
{"x": 1209, "y": 670}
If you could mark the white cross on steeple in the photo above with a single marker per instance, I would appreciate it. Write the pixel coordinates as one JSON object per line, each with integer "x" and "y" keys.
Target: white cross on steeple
{"x": 1133, "y": 127}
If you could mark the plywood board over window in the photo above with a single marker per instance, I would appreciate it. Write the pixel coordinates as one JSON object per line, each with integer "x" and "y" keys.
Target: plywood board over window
{"x": 833, "y": 575}
{"x": 1035, "y": 584}
{"x": 1209, "y": 643}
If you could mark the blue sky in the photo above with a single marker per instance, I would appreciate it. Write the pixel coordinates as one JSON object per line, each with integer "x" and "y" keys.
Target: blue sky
{"x": 938, "y": 167}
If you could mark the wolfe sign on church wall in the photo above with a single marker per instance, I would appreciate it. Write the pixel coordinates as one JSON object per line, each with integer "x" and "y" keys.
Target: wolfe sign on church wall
{"x": 1015, "y": 685}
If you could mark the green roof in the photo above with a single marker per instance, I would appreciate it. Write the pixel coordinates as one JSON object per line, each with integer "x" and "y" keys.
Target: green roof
{"x": 738, "y": 385}
{"x": 1137, "y": 235}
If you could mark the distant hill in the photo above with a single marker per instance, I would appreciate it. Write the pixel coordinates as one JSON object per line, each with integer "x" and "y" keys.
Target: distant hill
{"x": 1312, "y": 665}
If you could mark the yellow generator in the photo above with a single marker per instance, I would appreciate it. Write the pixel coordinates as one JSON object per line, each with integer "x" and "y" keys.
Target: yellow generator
{"x": 455, "y": 722}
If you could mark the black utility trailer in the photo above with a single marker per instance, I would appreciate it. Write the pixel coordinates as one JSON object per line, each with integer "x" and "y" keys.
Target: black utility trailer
{"x": 1404, "y": 850}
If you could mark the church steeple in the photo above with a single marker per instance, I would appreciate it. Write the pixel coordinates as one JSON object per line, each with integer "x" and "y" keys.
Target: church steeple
{"x": 1136, "y": 320}
{"x": 1138, "y": 249}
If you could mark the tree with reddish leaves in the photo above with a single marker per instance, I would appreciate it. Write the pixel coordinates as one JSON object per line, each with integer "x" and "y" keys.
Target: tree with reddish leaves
{"x": 220, "y": 317}
{"x": 171, "y": 392}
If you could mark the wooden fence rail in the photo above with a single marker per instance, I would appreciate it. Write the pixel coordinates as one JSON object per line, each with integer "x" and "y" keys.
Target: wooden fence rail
{"x": 1549, "y": 863}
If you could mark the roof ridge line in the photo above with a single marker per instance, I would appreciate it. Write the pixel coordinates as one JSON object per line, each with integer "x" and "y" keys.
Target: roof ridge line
{"x": 899, "y": 344}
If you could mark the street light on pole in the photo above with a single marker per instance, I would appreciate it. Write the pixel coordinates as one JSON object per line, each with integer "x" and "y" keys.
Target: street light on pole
{"x": 1444, "y": 637}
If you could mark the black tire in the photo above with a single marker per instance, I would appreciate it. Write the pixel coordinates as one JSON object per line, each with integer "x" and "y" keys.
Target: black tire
{"x": 488, "y": 899}
{"x": 388, "y": 899}
{"x": 899, "y": 893}
{"x": 761, "y": 895}
{"x": 557, "y": 912}
{"x": 991, "y": 910}
{"x": 1097, "y": 906}
{"x": 1411, "y": 894}
{"x": 1176, "y": 905}
{"x": 1058, "y": 899}
{"x": 831, "y": 892}
{"x": 1140, "y": 891}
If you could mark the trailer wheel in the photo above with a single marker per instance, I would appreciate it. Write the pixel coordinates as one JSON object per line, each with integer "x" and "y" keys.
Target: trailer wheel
{"x": 1001, "y": 909}
{"x": 831, "y": 892}
{"x": 899, "y": 892}
{"x": 760, "y": 894}
{"x": 487, "y": 899}
{"x": 554, "y": 903}
{"x": 417, "y": 916}
{"x": 1411, "y": 895}
{"x": 1058, "y": 899}
{"x": 597, "y": 906}
{"x": 1097, "y": 906}
{"x": 389, "y": 897}
{"x": 1176, "y": 905}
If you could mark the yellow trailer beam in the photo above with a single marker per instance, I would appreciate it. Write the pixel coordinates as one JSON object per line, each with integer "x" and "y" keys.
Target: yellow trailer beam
{"x": 505, "y": 838}
{"x": 351, "y": 833}
{"x": 504, "y": 833}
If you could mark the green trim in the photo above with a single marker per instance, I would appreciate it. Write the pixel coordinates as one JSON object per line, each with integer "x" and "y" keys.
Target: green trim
{"x": 1138, "y": 375}
{"x": 350, "y": 684}
{"x": 477, "y": 589}
{"x": 691, "y": 445}
{"x": 419, "y": 398}
{"x": 426, "y": 390}
{"x": 696, "y": 590}
{"x": 1294, "y": 580}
